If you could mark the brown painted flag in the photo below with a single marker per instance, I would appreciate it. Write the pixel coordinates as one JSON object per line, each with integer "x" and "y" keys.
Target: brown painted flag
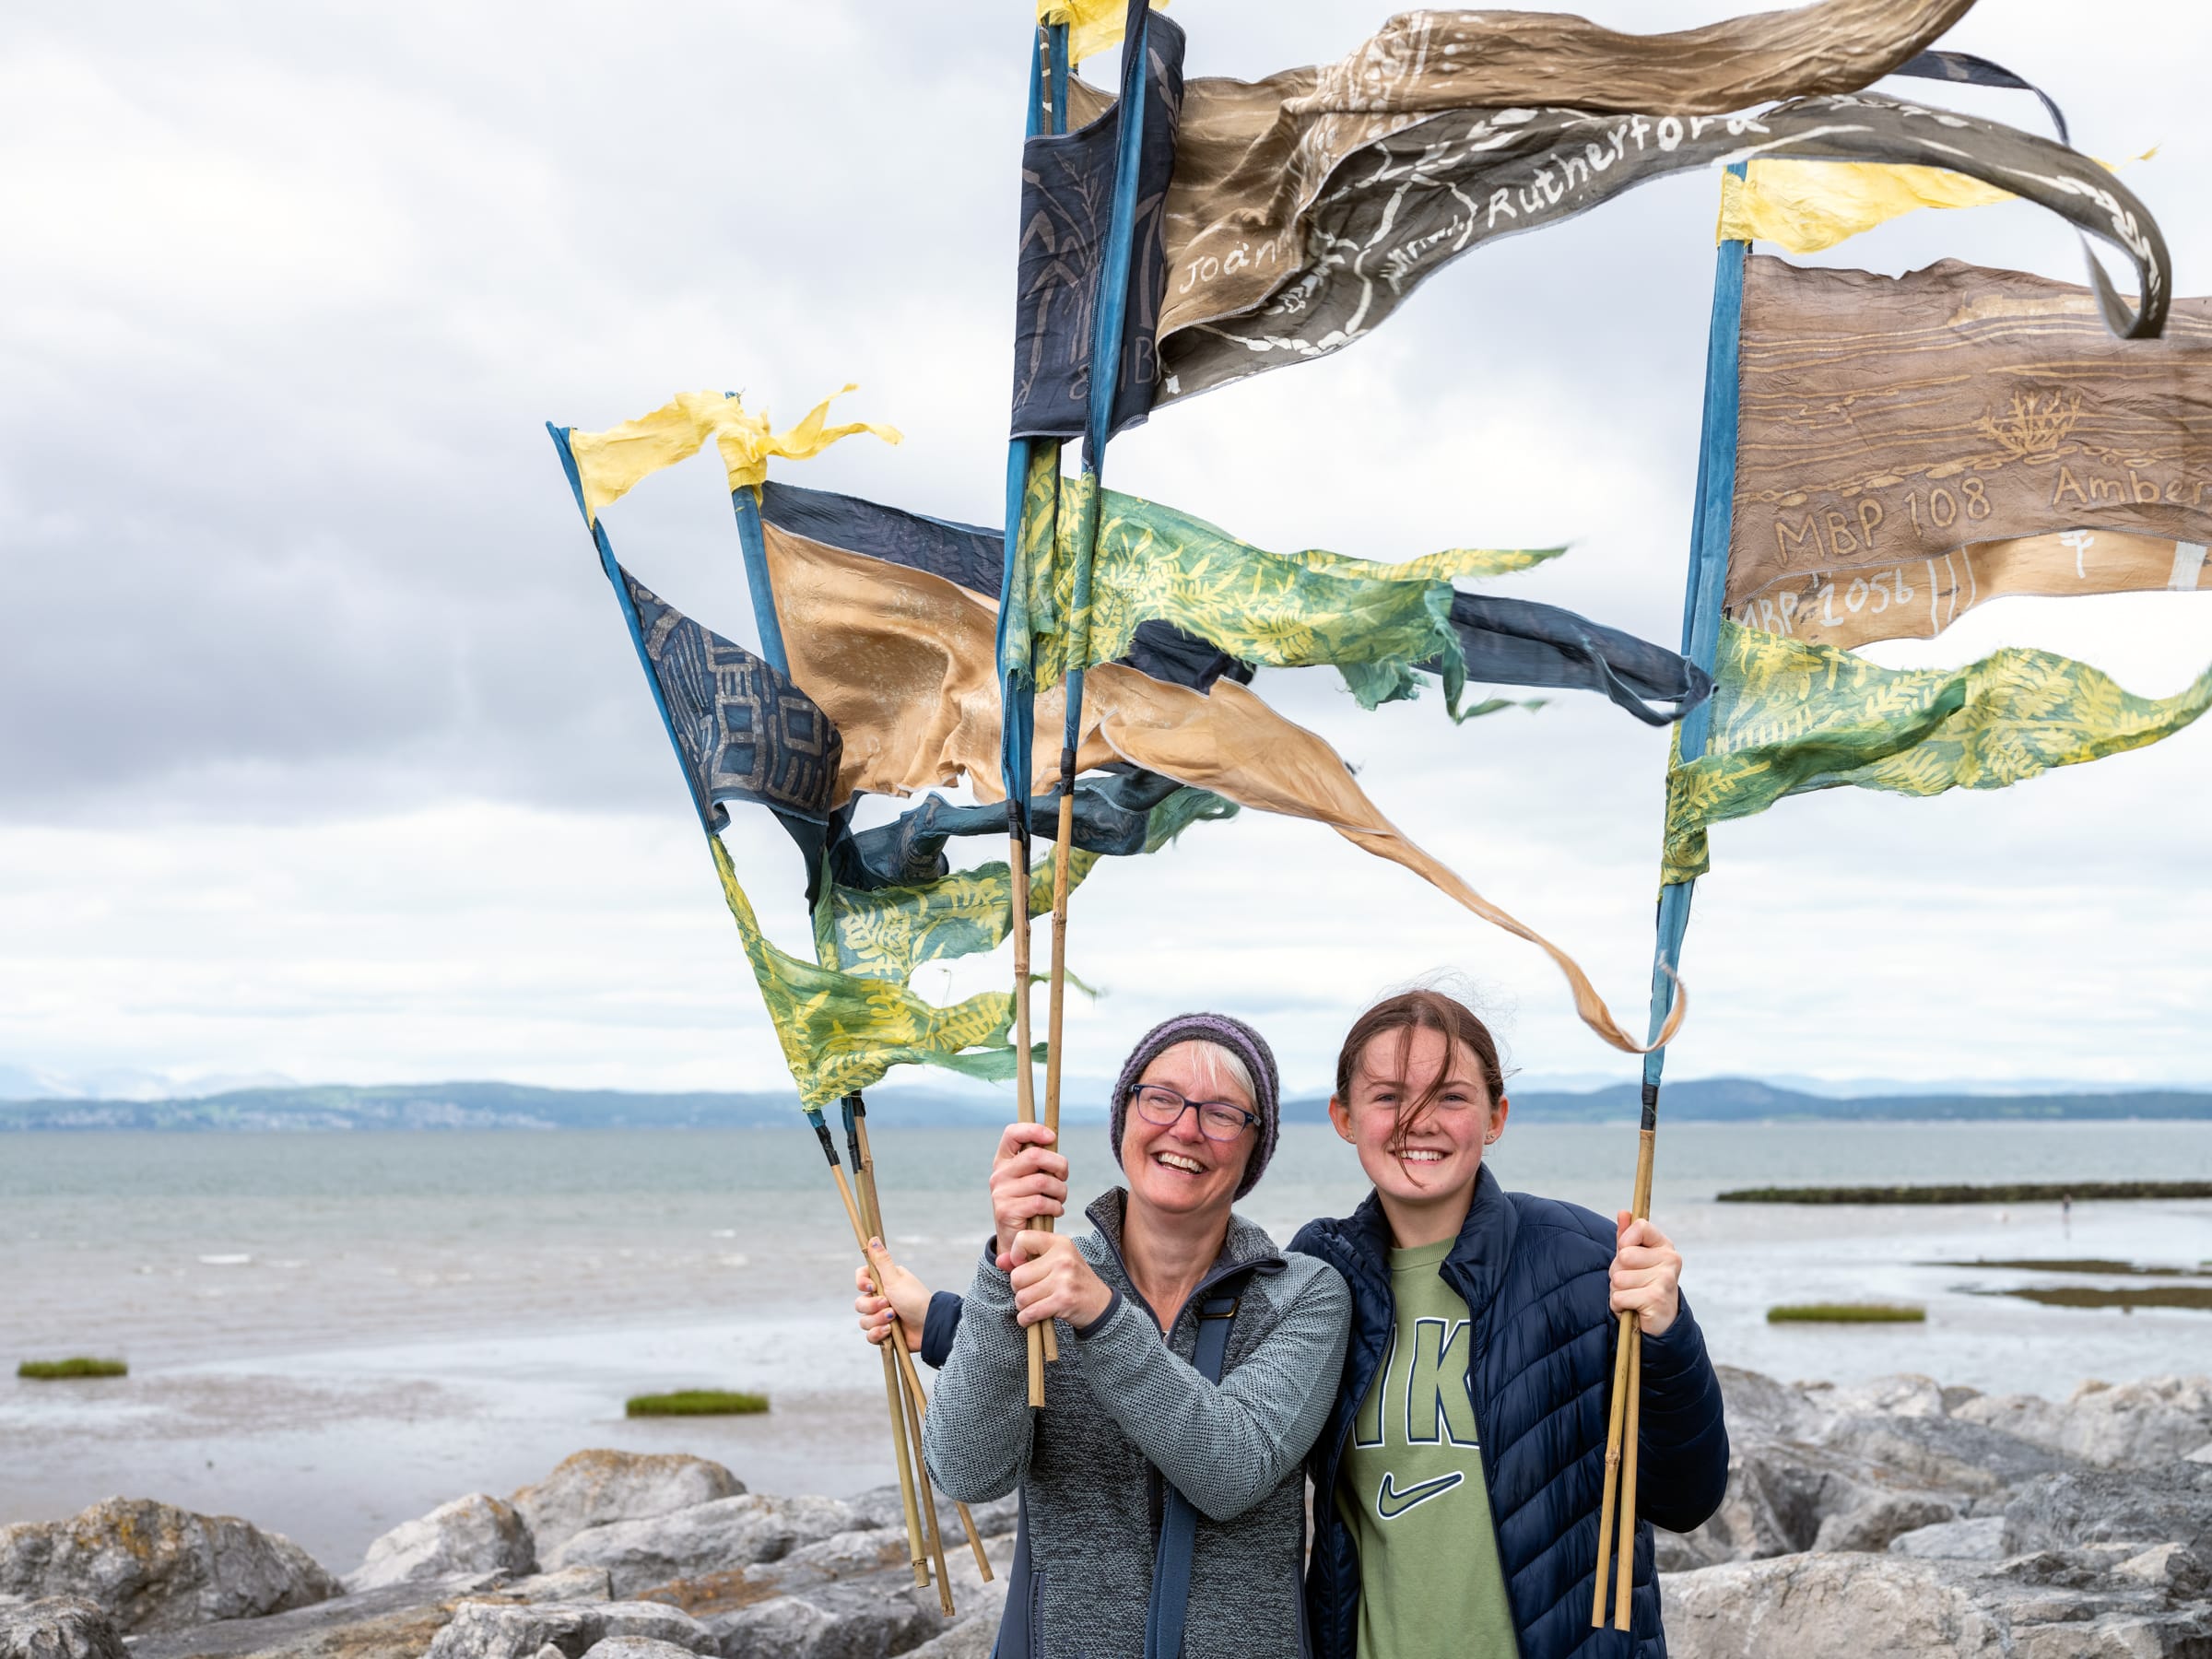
{"x": 1305, "y": 207}
{"x": 1910, "y": 447}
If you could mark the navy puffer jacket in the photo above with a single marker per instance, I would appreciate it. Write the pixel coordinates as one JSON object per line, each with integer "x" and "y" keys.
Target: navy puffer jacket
{"x": 1536, "y": 1276}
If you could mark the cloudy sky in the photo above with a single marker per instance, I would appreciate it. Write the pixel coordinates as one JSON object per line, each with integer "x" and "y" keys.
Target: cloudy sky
{"x": 325, "y": 753}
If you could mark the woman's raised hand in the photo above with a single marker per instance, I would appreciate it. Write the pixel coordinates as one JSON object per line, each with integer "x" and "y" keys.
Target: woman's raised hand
{"x": 1028, "y": 1179}
{"x": 1647, "y": 1274}
{"x": 907, "y": 1299}
{"x": 1051, "y": 1280}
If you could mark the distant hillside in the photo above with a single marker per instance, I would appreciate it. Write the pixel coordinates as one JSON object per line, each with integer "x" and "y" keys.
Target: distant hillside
{"x": 1743, "y": 1101}
{"x": 462, "y": 1106}
{"x": 518, "y": 1106}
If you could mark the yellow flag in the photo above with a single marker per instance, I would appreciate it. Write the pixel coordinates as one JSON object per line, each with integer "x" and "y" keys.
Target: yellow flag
{"x": 1092, "y": 25}
{"x": 1804, "y": 207}
{"x": 610, "y": 464}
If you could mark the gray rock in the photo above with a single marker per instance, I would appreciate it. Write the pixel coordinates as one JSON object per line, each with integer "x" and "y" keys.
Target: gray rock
{"x": 852, "y": 1554}
{"x": 1761, "y": 1408}
{"x": 1938, "y": 1453}
{"x": 570, "y": 1584}
{"x": 975, "y": 1636}
{"x": 594, "y": 1489}
{"x": 1779, "y": 1494}
{"x": 1879, "y": 1518}
{"x": 2132, "y": 1425}
{"x": 2167, "y": 1505}
{"x": 493, "y": 1629}
{"x": 1906, "y": 1395}
{"x": 635, "y": 1647}
{"x": 1809, "y": 1606}
{"x": 1981, "y": 1540}
{"x": 881, "y": 1506}
{"x": 832, "y": 1621}
{"x": 396, "y": 1622}
{"x": 156, "y": 1568}
{"x": 704, "y": 1538}
{"x": 58, "y": 1627}
{"x": 475, "y": 1533}
{"x": 866, "y": 1617}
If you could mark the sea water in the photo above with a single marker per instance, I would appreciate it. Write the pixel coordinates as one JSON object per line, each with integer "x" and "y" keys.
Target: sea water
{"x": 331, "y": 1333}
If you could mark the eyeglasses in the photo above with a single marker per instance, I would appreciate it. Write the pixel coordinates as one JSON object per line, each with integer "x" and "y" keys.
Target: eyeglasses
{"x": 1217, "y": 1120}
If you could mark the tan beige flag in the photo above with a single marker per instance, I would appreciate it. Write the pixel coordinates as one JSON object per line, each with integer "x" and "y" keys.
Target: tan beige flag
{"x": 1910, "y": 447}
{"x": 901, "y": 661}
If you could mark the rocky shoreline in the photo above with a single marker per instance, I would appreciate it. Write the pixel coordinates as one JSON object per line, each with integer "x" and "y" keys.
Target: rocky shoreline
{"x": 1891, "y": 1518}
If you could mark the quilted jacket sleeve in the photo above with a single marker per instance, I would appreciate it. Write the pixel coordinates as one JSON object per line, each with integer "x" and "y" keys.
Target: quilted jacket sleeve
{"x": 1682, "y": 1450}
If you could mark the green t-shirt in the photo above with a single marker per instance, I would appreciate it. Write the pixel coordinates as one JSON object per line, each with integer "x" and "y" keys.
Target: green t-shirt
{"x": 1411, "y": 1486}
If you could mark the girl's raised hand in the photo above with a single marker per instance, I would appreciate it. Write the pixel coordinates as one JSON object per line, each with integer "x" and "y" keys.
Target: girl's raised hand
{"x": 1647, "y": 1274}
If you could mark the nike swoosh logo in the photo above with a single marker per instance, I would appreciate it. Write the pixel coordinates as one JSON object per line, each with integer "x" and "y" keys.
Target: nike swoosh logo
{"x": 1390, "y": 1503}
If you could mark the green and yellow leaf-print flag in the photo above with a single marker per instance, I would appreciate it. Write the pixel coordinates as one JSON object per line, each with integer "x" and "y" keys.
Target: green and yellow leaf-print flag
{"x": 840, "y": 1032}
{"x": 1789, "y": 717}
{"x": 1373, "y": 621}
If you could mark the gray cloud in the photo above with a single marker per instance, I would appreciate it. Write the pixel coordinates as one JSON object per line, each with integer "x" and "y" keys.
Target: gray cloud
{"x": 290, "y": 291}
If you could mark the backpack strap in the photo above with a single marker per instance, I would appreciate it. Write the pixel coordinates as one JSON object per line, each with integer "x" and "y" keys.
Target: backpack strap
{"x": 1178, "y": 1518}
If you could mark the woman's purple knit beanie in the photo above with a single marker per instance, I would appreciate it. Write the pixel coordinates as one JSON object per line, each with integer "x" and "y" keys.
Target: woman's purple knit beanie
{"x": 1239, "y": 1040}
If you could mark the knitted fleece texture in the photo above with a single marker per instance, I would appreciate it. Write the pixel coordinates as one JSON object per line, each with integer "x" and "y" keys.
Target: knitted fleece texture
{"x": 1124, "y": 1409}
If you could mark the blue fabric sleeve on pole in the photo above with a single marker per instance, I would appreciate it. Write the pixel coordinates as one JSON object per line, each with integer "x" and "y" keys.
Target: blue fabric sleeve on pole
{"x": 757, "y": 581}
{"x": 1710, "y": 525}
{"x": 630, "y": 616}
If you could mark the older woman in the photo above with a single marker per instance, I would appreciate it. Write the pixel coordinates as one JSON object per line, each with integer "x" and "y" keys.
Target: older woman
{"x": 1162, "y": 1493}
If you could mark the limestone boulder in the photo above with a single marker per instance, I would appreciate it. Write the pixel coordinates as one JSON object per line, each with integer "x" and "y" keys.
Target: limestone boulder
{"x": 475, "y": 1533}
{"x": 596, "y": 1487}
{"x": 636, "y": 1647}
{"x": 498, "y": 1630}
{"x": 58, "y": 1627}
{"x": 1879, "y": 1518}
{"x": 153, "y": 1567}
{"x": 2132, "y": 1425}
{"x": 705, "y": 1538}
{"x": 1980, "y": 1539}
{"x": 1812, "y": 1606}
{"x": 2161, "y": 1505}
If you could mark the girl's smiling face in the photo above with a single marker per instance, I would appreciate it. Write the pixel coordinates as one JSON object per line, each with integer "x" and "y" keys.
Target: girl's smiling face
{"x": 1420, "y": 1115}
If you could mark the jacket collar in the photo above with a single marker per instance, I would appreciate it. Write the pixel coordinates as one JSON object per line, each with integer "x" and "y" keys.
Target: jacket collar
{"x": 1479, "y": 1256}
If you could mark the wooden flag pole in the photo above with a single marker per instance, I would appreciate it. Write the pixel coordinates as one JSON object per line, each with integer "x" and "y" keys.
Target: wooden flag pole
{"x": 863, "y": 1160}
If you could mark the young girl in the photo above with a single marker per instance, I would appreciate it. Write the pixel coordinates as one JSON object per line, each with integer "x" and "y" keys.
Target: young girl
{"x": 1458, "y": 1481}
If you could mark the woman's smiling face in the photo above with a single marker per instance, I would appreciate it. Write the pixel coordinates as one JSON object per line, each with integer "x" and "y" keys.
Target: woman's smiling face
{"x": 1176, "y": 1170}
{"x": 1437, "y": 1153}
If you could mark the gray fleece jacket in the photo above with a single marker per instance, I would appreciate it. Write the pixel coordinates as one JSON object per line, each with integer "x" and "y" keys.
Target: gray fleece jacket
{"x": 1123, "y": 1407}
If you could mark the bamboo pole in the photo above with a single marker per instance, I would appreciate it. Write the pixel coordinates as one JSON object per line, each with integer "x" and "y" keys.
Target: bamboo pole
{"x": 1063, "y": 843}
{"x": 896, "y": 1344}
{"x": 1615, "y": 1414}
{"x": 863, "y": 1160}
{"x": 1623, "y": 1422}
{"x": 1025, "y": 1084}
{"x": 903, "y": 1431}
